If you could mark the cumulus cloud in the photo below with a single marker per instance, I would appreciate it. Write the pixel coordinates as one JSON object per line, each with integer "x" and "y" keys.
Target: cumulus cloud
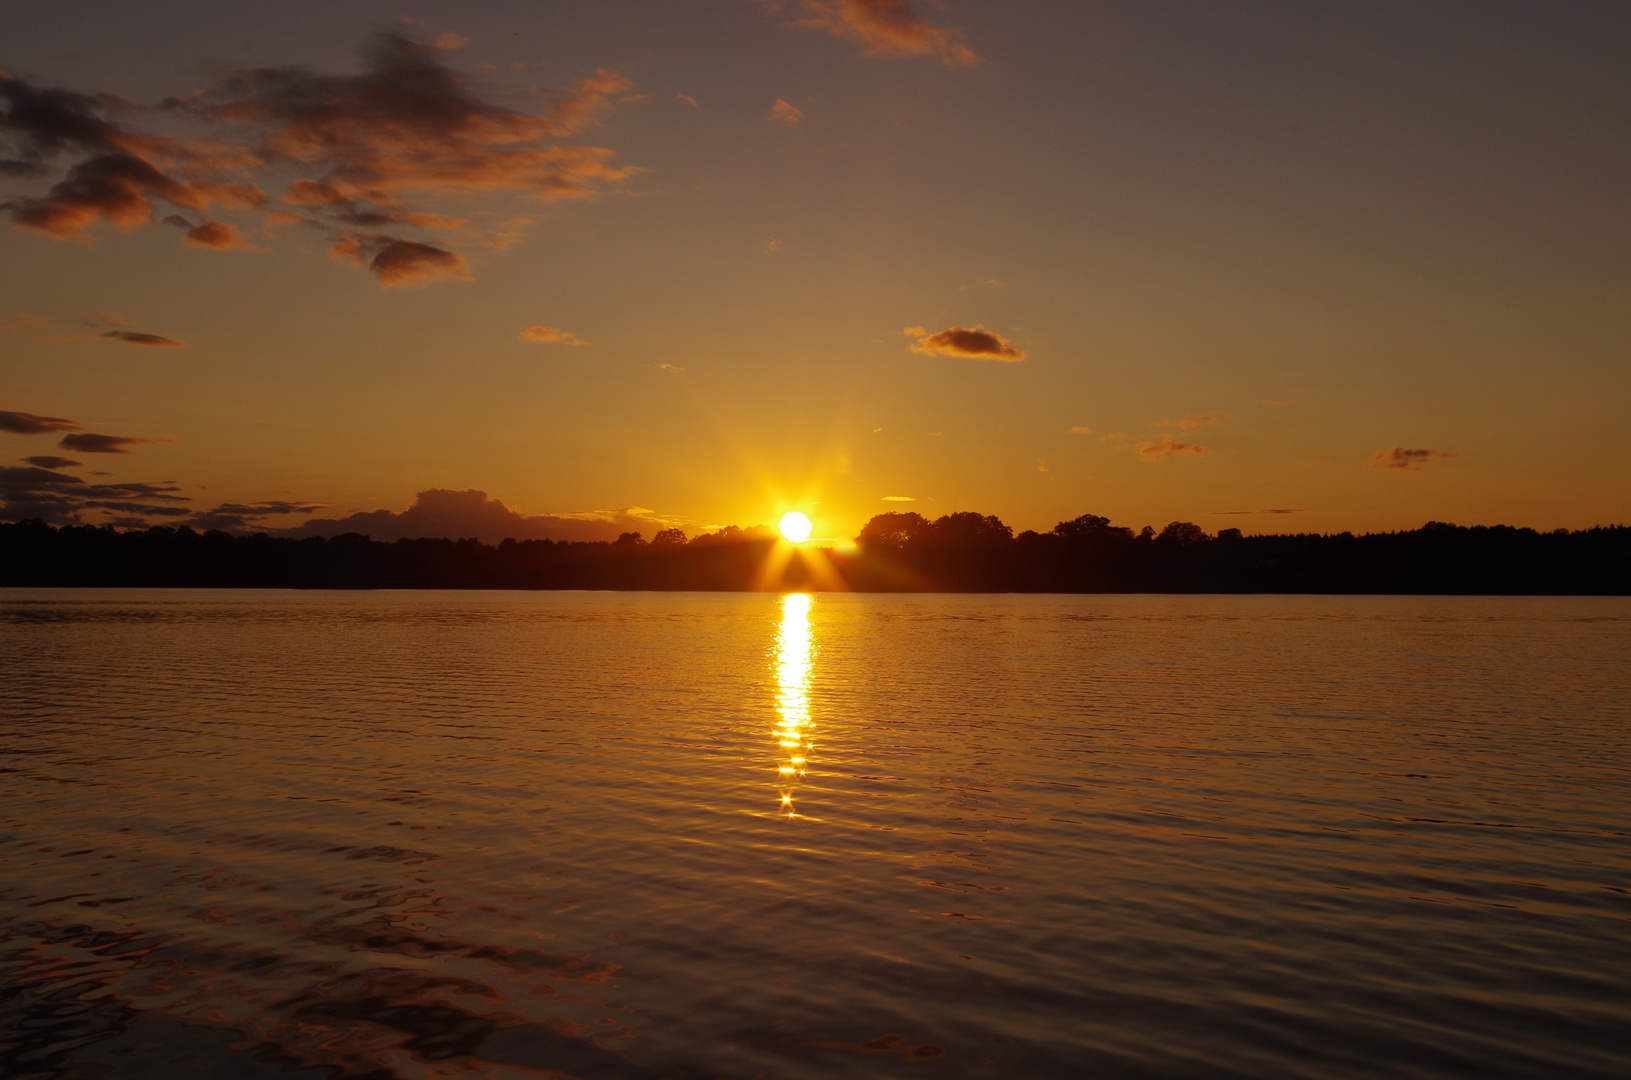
{"x": 27, "y": 423}
{"x": 1190, "y": 423}
{"x": 879, "y": 27}
{"x": 786, "y": 112}
{"x": 438, "y": 512}
{"x": 1166, "y": 447}
{"x": 367, "y": 150}
{"x": 549, "y": 335}
{"x": 1411, "y": 459}
{"x": 91, "y": 443}
{"x": 976, "y": 344}
{"x": 51, "y": 461}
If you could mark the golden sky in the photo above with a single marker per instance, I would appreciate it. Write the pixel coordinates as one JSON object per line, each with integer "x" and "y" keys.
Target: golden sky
{"x": 626, "y": 264}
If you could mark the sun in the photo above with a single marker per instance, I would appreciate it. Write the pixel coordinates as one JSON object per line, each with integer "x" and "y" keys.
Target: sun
{"x": 795, "y": 526}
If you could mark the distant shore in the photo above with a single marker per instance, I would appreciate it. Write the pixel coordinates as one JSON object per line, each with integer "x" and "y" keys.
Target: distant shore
{"x": 894, "y": 553}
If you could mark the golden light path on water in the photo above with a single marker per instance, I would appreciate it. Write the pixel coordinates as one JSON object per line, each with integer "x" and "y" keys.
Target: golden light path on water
{"x": 795, "y": 650}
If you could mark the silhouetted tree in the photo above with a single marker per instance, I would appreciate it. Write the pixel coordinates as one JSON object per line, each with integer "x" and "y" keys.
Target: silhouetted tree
{"x": 668, "y": 537}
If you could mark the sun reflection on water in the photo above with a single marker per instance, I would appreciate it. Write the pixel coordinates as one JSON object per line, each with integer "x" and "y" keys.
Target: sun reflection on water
{"x": 795, "y": 649}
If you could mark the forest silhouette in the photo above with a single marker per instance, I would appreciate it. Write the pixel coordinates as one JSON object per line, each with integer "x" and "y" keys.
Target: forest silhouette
{"x": 896, "y": 552}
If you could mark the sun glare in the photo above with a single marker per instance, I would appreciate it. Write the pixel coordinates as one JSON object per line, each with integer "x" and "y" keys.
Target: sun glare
{"x": 795, "y": 526}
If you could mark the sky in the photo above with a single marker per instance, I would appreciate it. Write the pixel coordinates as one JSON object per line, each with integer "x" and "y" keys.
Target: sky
{"x": 630, "y": 264}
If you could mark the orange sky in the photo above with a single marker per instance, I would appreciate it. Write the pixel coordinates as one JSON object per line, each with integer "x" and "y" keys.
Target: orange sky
{"x": 717, "y": 259}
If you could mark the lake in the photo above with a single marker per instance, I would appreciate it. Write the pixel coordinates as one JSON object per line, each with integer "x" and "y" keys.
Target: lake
{"x": 610, "y": 835}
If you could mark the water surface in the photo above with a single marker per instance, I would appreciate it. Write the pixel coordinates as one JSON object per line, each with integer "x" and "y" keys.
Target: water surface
{"x": 262, "y": 834}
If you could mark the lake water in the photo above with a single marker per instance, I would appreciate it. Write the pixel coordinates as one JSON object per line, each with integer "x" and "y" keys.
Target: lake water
{"x": 264, "y": 834}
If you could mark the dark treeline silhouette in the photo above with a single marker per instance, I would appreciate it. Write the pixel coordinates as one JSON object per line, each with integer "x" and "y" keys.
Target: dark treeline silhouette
{"x": 902, "y": 552}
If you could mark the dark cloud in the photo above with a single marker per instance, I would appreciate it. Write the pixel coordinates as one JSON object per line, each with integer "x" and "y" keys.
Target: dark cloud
{"x": 1412, "y": 459}
{"x": 371, "y": 145}
{"x": 92, "y": 443}
{"x": 976, "y": 344}
{"x": 58, "y": 498}
{"x": 25, "y": 423}
{"x": 879, "y": 27}
{"x": 51, "y": 461}
{"x": 133, "y": 337}
{"x": 397, "y": 262}
{"x": 439, "y": 512}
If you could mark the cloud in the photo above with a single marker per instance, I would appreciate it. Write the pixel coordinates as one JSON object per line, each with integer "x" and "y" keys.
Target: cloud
{"x": 1190, "y": 423}
{"x": 12, "y": 324}
{"x": 773, "y": 246}
{"x": 439, "y": 512}
{"x": 399, "y": 263}
{"x": 687, "y": 99}
{"x": 1041, "y": 466}
{"x": 26, "y": 423}
{"x": 879, "y": 27}
{"x": 787, "y": 113}
{"x": 248, "y": 517}
{"x": 91, "y": 443}
{"x": 1234, "y": 513}
{"x": 549, "y": 335}
{"x": 61, "y": 499}
{"x": 1081, "y": 429}
{"x": 51, "y": 461}
{"x": 672, "y": 369}
{"x": 976, "y": 344}
{"x": 1414, "y": 460}
{"x": 987, "y": 283}
{"x": 448, "y": 41}
{"x": 898, "y": 498}
{"x": 1166, "y": 447}
{"x": 211, "y": 235}
{"x": 367, "y": 150}
{"x": 132, "y": 337}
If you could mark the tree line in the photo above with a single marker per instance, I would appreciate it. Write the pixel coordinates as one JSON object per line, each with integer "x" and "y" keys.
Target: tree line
{"x": 897, "y": 552}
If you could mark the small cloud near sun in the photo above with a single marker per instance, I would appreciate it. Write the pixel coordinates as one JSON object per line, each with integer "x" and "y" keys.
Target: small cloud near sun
{"x": 977, "y": 343}
{"x": 549, "y": 335}
{"x": 1411, "y": 459}
{"x": 1190, "y": 423}
{"x": 1166, "y": 446}
{"x": 787, "y": 113}
{"x": 898, "y": 498}
{"x": 672, "y": 369}
{"x": 1041, "y": 466}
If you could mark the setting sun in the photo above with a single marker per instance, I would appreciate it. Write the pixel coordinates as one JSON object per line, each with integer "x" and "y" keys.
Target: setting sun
{"x": 795, "y": 526}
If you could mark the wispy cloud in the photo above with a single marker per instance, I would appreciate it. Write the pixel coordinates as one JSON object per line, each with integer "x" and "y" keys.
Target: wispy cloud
{"x": 672, "y": 369}
{"x": 27, "y": 423}
{"x": 976, "y": 344}
{"x": 13, "y": 324}
{"x": 786, "y": 112}
{"x": 1081, "y": 429}
{"x": 134, "y": 337}
{"x": 1411, "y": 459}
{"x": 1190, "y": 423}
{"x": 687, "y": 99}
{"x": 879, "y": 27}
{"x": 549, "y": 335}
{"x": 1166, "y": 446}
{"x": 89, "y": 442}
{"x": 1233, "y": 513}
{"x": 898, "y": 498}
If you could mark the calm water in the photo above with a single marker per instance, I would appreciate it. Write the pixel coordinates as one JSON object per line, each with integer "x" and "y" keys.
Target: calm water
{"x": 682, "y": 835}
